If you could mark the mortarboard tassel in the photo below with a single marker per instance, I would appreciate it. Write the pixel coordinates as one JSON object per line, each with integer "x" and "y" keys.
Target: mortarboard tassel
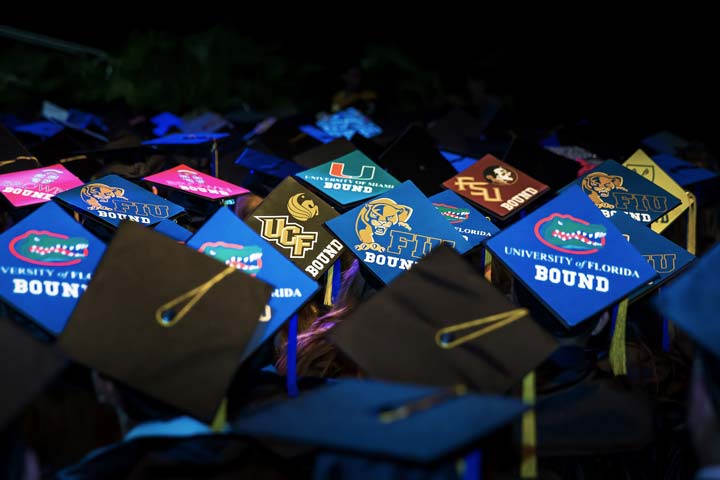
{"x": 216, "y": 159}
{"x": 154, "y": 190}
{"x": 618, "y": 360}
{"x": 528, "y": 465}
{"x": 691, "y": 224}
{"x": 488, "y": 266}
{"x": 332, "y": 284}
{"x": 291, "y": 374}
{"x": 220, "y": 420}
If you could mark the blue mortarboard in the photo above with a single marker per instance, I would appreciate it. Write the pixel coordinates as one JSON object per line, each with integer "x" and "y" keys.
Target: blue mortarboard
{"x": 467, "y": 220}
{"x": 113, "y": 199}
{"x": 665, "y": 142}
{"x": 227, "y": 239}
{"x": 614, "y": 188}
{"x": 317, "y": 133}
{"x": 347, "y": 123}
{"x": 394, "y": 230}
{"x": 173, "y": 230}
{"x": 684, "y": 173}
{"x": 376, "y": 419}
{"x": 666, "y": 258}
{"x": 692, "y": 301}
{"x": 47, "y": 261}
{"x": 349, "y": 179}
{"x": 571, "y": 257}
{"x": 207, "y": 122}
{"x": 178, "y": 139}
{"x": 42, "y": 129}
{"x": 459, "y": 162}
{"x": 268, "y": 164}
{"x": 164, "y": 122}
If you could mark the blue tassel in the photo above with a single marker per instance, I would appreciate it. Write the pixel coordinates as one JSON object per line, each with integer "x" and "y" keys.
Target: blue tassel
{"x": 336, "y": 280}
{"x": 291, "y": 378}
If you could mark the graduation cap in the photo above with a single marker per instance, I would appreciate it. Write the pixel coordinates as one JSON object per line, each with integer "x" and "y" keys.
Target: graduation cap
{"x": 686, "y": 174}
{"x": 292, "y": 219}
{"x": 324, "y": 153}
{"x": 614, "y": 188}
{"x": 644, "y": 166}
{"x": 571, "y": 257}
{"x": 383, "y": 420}
{"x": 48, "y": 259}
{"x": 112, "y": 199}
{"x": 442, "y": 323}
{"x": 186, "y": 139}
{"x": 27, "y": 366}
{"x": 413, "y": 156}
{"x": 317, "y": 133}
{"x": 553, "y": 170}
{"x": 265, "y": 170}
{"x": 666, "y": 258}
{"x": 13, "y": 156}
{"x": 38, "y": 185}
{"x": 665, "y": 142}
{"x": 229, "y": 240}
{"x": 349, "y": 179}
{"x": 692, "y": 301}
{"x": 468, "y": 221}
{"x": 458, "y": 161}
{"x": 392, "y": 231}
{"x": 172, "y": 230}
{"x": 496, "y": 187}
{"x": 457, "y": 131}
{"x": 347, "y": 123}
{"x": 165, "y": 320}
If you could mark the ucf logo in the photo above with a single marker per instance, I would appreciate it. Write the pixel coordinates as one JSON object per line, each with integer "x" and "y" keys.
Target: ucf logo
{"x": 286, "y": 234}
{"x": 478, "y": 189}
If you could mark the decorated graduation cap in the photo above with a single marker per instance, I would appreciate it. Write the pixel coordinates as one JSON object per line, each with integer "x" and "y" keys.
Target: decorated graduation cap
{"x": 347, "y": 123}
{"x": 47, "y": 259}
{"x": 614, "y": 189}
{"x": 13, "y": 155}
{"x": 292, "y": 219}
{"x": 324, "y": 153}
{"x": 38, "y": 185}
{"x": 112, "y": 199}
{"x": 467, "y": 220}
{"x": 229, "y": 240}
{"x": 496, "y": 187}
{"x": 666, "y": 258}
{"x": 392, "y": 231}
{"x": 692, "y": 301}
{"x": 349, "y": 179}
{"x": 412, "y": 423}
{"x": 571, "y": 257}
{"x": 173, "y": 230}
{"x": 456, "y": 328}
{"x": 165, "y": 320}
{"x": 414, "y": 156}
{"x": 27, "y": 366}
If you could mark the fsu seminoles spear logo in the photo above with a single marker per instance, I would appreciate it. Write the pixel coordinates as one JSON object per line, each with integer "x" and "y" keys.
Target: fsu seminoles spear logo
{"x": 50, "y": 249}
{"x": 376, "y": 218}
{"x": 290, "y": 235}
{"x": 568, "y": 234}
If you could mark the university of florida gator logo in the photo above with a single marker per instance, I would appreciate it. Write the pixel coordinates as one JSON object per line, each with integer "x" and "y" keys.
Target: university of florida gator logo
{"x": 247, "y": 259}
{"x": 452, "y": 213}
{"x": 376, "y": 218}
{"x": 97, "y": 194}
{"x": 568, "y": 234}
{"x": 41, "y": 247}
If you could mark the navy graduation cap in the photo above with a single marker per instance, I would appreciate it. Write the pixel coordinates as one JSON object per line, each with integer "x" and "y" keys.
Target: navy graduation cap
{"x": 112, "y": 199}
{"x": 349, "y": 179}
{"x": 394, "y": 230}
{"x": 347, "y": 123}
{"x": 467, "y": 220}
{"x": 46, "y": 262}
{"x": 666, "y": 258}
{"x": 173, "y": 230}
{"x": 572, "y": 257}
{"x": 268, "y": 164}
{"x": 229, "y": 240}
{"x": 186, "y": 139}
{"x": 684, "y": 173}
{"x": 614, "y": 188}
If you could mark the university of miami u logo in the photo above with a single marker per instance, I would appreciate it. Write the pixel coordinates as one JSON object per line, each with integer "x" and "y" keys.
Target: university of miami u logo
{"x": 337, "y": 170}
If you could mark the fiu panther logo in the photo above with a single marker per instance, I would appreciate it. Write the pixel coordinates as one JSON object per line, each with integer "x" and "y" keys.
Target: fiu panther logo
{"x": 96, "y": 194}
{"x": 41, "y": 247}
{"x": 568, "y": 234}
{"x": 376, "y": 218}
{"x": 599, "y": 185}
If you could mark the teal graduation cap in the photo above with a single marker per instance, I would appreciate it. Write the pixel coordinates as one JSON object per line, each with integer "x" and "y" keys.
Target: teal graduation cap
{"x": 349, "y": 179}
{"x": 383, "y": 420}
{"x": 112, "y": 199}
{"x": 473, "y": 225}
{"x": 229, "y": 240}
{"x": 614, "y": 189}
{"x": 392, "y": 231}
{"x": 47, "y": 262}
{"x": 571, "y": 257}
{"x": 666, "y": 258}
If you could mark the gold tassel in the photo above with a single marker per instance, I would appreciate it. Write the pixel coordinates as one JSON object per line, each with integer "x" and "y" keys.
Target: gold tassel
{"x": 618, "y": 359}
{"x": 692, "y": 224}
{"x": 220, "y": 420}
{"x": 488, "y": 266}
{"x": 216, "y": 158}
{"x": 327, "y": 301}
{"x": 529, "y": 466}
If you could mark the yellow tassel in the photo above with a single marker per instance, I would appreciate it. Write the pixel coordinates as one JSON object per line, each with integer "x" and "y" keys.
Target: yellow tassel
{"x": 220, "y": 420}
{"x": 216, "y": 158}
{"x": 618, "y": 360}
{"x": 488, "y": 266}
{"x": 76, "y": 215}
{"x": 529, "y": 466}
{"x": 327, "y": 301}
{"x": 692, "y": 224}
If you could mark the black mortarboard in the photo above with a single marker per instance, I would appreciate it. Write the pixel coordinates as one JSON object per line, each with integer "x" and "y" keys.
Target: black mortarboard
{"x": 458, "y": 131}
{"x": 165, "y": 320}
{"x": 26, "y": 367}
{"x": 13, "y": 156}
{"x": 541, "y": 164}
{"x": 413, "y": 156}
{"x": 442, "y": 323}
{"x": 385, "y": 420}
{"x": 324, "y": 153}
